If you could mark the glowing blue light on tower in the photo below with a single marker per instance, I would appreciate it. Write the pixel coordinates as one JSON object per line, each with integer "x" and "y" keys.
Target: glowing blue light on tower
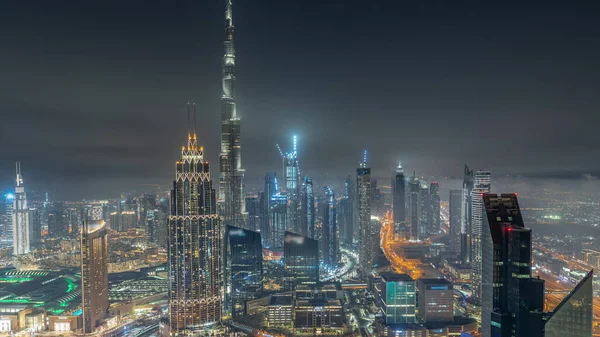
{"x": 10, "y": 196}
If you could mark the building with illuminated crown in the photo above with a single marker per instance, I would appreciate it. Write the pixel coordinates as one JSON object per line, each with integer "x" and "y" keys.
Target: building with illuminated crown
{"x": 94, "y": 273}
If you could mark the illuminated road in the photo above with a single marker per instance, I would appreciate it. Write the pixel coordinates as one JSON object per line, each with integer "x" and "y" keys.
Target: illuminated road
{"x": 389, "y": 243}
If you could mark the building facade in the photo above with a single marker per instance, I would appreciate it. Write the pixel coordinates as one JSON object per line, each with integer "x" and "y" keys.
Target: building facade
{"x": 21, "y": 225}
{"x": 433, "y": 217}
{"x": 465, "y": 215}
{"x": 301, "y": 260}
{"x": 231, "y": 179}
{"x": 455, "y": 206}
{"x": 397, "y": 298}
{"x": 435, "y": 300}
{"x": 399, "y": 194}
{"x": 307, "y": 208}
{"x": 94, "y": 273}
{"x": 195, "y": 298}
{"x": 482, "y": 185}
{"x": 330, "y": 229}
{"x": 363, "y": 191}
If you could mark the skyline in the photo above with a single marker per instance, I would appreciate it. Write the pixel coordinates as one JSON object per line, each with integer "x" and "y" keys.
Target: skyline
{"x": 111, "y": 106}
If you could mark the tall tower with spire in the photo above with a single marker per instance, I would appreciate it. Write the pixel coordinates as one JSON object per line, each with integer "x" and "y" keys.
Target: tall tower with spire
{"x": 399, "y": 190}
{"x": 232, "y": 205}
{"x": 20, "y": 217}
{"x": 363, "y": 191}
{"x": 194, "y": 244}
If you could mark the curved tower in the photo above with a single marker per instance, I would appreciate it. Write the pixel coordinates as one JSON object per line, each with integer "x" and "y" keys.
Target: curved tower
{"x": 231, "y": 180}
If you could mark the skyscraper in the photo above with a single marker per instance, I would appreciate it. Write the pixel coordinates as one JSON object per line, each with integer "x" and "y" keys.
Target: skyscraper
{"x": 243, "y": 268}
{"x": 254, "y": 213}
{"x": 94, "y": 273}
{"x": 270, "y": 189}
{"x": 20, "y": 218}
{"x": 194, "y": 244}
{"x": 307, "y": 209}
{"x": 278, "y": 217}
{"x": 301, "y": 260}
{"x": 424, "y": 203}
{"x": 231, "y": 180}
{"x": 397, "y": 295}
{"x": 433, "y": 217}
{"x": 482, "y": 185}
{"x": 573, "y": 316}
{"x": 399, "y": 191}
{"x": 465, "y": 215}
{"x": 435, "y": 300}
{"x": 363, "y": 190}
{"x": 414, "y": 187}
{"x": 346, "y": 213}
{"x": 330, "y": 232}
{"x": 513, "y": 301}
{"x": 455, "y": 224}
{"x": 291, "y": 175}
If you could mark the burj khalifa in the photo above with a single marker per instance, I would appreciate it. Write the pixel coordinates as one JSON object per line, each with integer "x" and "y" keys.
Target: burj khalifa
{"x": 231, "y": 180}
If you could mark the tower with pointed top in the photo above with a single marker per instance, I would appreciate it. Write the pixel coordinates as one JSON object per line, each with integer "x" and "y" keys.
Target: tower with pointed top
{"x": 231, "y": 199}
{"x": 363, "y": 190}
{"x": 20, "y": 217}
{"x": 194, "y": 245}
{"x": 399, "y": 190}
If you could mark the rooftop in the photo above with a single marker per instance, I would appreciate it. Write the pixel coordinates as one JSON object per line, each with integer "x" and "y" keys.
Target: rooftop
{"x": 436, "y": 281}
{"x": 393, "y": 277}
{"x": 281, "y": 300}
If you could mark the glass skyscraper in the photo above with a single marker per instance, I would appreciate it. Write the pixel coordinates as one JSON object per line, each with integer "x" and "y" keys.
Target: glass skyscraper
{"x": 363, "y": 187}
{"x": 278, "y": 217}
{"x": 330, "y": 229}
{"x": 573, "y": 316}
{"x": 301, "y": 260}
{"x": 455, "y": 224}
{"x": 94, "y": 273}
{"x": 243, "y": 268}
{"x": 465, "y": 216}
{"x": 397, "y": 296}
{"x": 307, "y": 208}
{"x": 478, "y": 235}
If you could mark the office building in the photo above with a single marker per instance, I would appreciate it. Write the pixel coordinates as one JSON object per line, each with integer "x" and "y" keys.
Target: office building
{"x": 465, "y": 215}
{"x": 573, "y": 316}
{"x": 270, "y": 188}
{"x": 433, "y": 217}
{"x": 280, "y": 311}
{"x": 278, "y": 217}
{"x": 482, "y": 185}
{"x": 513, "y": 301}
{"x": 455, "y": 205}
{"x": 194, "y": 244}
{"x": 243, "y": 268}
{"x": 301, "y": 260}
{"x": 346, "y": 213}
{"x": 399, "y": 193}
{"x": 397, "y": 298}
{"x": 231, "y": 179}
{"x": 35, "y": 218}
{"x": 414, "y": 188}
{"x": 20, "y": 218}
{"x": 254, "y": 211}
{"x": 94, "y": 273}
{"x": 435, "y": 300}
{"x": 330, "y": 233}
{"x": 363, "y": 191}
{"x": 307, "y": 208}
{"x": 424, "y": 203}
{"x": 291, "y": 175}
{"x": 318, "y": 317}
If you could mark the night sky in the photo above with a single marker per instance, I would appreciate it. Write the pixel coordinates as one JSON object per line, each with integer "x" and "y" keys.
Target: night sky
{"x": 93, "y": 93}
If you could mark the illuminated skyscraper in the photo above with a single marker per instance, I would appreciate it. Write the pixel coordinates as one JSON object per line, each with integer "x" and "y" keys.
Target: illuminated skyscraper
{"x": 301, "y": 257}
{"x": 424, "y": 203}
{"x": 399, "y": 191}
{"x": 482, "y": 185}
{"x": 433, "y": 217}
{"x": 278, "y": 217}
{"x": 20, "y": 218}
{"x": 270, "y": 189}
{"x": 363, "y": 190}
{"x": 254, "y": 213}
{"x": 330, "y": 232}
{"x": 194, "y": 244}
{"x": 94, "y": 273}
{"x": 414, "y": 188}
{"x": 291, "y": 175}
{"x": 346, "y": 213}
{"x": 307, "y": 209}
{"x": 231, "y": 179}
{"x": 243, "y": 268}
{"x": 455, "y": 224}
{"x": 465, "y": 215}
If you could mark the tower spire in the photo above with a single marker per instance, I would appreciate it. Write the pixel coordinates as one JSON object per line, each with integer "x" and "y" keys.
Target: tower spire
{"x": 19, "y": 176}
{"x": 399, "y": 169}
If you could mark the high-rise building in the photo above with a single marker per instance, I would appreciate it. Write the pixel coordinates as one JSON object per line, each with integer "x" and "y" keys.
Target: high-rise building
{"x": 146, "y": 205}
{"x": 243, "y": 268}
{"x": 424, "y": 202}
{"x": 399, "y": 191}
{"x": 330, "y": 232}
{"x": 573, "y": 316}
{"x": 157, "y": 226}
{"x": 270, "y": 189}
{"x": 414, "y": 188}
{"x": 397, "y": 297}
{"x": 291, "y": 175}
{"x": 482, "y": 185}
{"x": 433, "y": 217}
{"x": 455, "y": 223}
{"x": 345, "y": 220}
{"x": 435, "y": 300}
{"x": 20, "y": 218}
{"x": 231, "y": 179}
{"x": 301, "y": 260}
{"x": 7, "y": 216}
{"x": 307, "y": 208}
{"x": 194, "y": 244}
{"x": 513, "y": 301}
{"x": 465, "y": 215}
{"x": 278, "y": 208}
{"x": 57, "y": 221}
{"x": 363, "y": 191}
{"x": 254, "y": 213}
{"x": 35, "y": 218}
{"x": 94, "y": 273}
